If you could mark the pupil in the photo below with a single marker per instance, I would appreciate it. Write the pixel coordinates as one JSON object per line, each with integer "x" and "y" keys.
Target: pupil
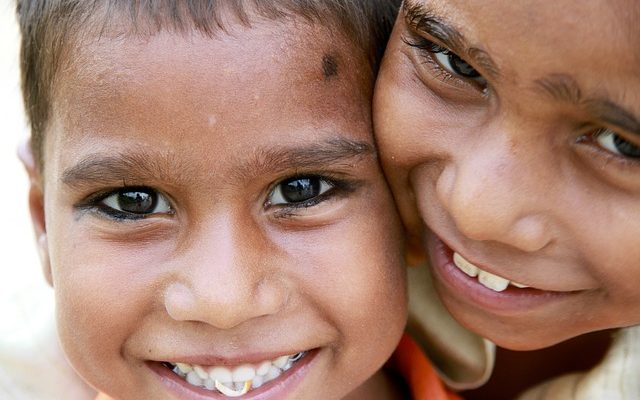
{"x": 137, "y": 202}
{"x": 626, "y": 148}
{"x": 462, "y": 67}
{"x": 300, "y": 189}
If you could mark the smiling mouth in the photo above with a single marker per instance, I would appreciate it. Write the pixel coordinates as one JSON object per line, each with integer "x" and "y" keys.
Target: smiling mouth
{"x": 486, "y": 279}
{"x": 236, "y": 381}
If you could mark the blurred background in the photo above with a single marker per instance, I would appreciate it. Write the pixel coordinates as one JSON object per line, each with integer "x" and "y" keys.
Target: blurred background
{"x": 20, "y": 279}
{"x": 31, "y": 363}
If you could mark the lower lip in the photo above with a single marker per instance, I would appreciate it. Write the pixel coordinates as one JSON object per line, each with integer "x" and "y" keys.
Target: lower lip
{"x": 457, "y": 284}
{"x": 279, "y": 388}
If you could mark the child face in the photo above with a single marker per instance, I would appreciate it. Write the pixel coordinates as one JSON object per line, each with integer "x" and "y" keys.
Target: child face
{"x": 218, "y": 203}
{"x": 510, "y": 133}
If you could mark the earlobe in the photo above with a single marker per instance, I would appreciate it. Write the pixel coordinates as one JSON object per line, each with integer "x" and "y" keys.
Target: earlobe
{"x": 43, "y": 251}
{"x": 36, "y": 206}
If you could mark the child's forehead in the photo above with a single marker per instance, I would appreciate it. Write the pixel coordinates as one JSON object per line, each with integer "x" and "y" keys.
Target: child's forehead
{"x": 525, "y": 42}
{"x": 141, "y": 90}
{"x": 552, "y": 21}
{"x": 244, "y": 59}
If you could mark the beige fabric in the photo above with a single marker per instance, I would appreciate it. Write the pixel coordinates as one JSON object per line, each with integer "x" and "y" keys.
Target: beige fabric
{"x": 464, "y": 359}
{"x": 617, "y": 377}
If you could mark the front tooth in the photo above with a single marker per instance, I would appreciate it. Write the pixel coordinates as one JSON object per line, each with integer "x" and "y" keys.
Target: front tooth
{"x": 493, "y": 282}
{"x": 243, "y": 373}
{"x": 209, "y": 384}
{"x": 201, "y": 372}
{"x": 220, "y": 374}
{"x": 257, "y": 382}
{"x": 194, "y": 379}
{"x": 287, "y": 365}
{"x": 263, "y": 368}
{"x": 185, "y": 368}
{"x": 518, "y": 285}
{"x": 233, "y": 390}
{"x": 273, "y": 373}
{"x": 465, "y": 266}
{"x": 281, "y": 361}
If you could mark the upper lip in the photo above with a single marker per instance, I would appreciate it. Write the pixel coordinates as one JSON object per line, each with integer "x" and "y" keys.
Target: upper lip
{"x": 219, "y": 360}
{"x": 489, "y": 270}
{"x": 484, "y": 266}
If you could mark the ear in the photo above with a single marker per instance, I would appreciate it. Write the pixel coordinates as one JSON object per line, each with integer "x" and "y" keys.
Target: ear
{"x": 415, "y": 253}
{"x": 36, "y": 206}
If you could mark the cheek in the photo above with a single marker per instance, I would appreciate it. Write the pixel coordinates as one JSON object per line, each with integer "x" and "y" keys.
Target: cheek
{"x": 102, "y": 294}
{"x": 412, "y": 125}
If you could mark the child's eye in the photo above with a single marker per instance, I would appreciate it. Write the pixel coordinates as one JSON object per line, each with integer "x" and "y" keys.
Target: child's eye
{"x": 449, "y": 64}
{"x": 134, "y": 203}
{"x": 616, "y": 144}
{"x": 302, "y": 190}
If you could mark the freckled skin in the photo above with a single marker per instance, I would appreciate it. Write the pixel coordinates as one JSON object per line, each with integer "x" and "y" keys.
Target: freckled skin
{"x": 225, "y": 273}
{"x": 506, "y": 177}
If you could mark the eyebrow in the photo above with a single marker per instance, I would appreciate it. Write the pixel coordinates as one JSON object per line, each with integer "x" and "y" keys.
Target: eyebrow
{"x": 424, "y": 20}
{"x": 148, "y": 166}
{"x": 564, "y": 88}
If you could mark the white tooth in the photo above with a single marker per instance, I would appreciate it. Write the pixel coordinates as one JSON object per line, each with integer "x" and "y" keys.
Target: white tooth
{"x": 243, "y": 373}
{"x": 465, "y": 266}
{"x": 518, "y": 285}
{"x": 493, "y": 282}
{"x": 281, "y": 361}
{"x": 178, "y": 372}
{"x": 201, "y": 372}
{"x": 257, "y": 382}
{"x": 186, "y": 368}
{"x": 287, "y": 365}
{"x": 263, "y": 368}
{"x": 209, "y": 384}
{"x": 194, "y": 379}
{"x": 273, "y": 373}
{"x": 233, "y": 390}
{"x": 220, "y": 374}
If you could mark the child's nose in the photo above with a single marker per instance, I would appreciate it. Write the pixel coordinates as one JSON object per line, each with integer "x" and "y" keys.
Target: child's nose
{"x": 228, "y": 275}
{"x": 495, "y": 194}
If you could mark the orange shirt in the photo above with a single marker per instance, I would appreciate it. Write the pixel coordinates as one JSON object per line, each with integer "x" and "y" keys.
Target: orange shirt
{"x": 423, "y": 381}
{"x": 410, "y": 362}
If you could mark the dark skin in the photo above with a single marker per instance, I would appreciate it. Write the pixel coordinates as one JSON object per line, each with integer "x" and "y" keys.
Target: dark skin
{"x": 510, "y": 135}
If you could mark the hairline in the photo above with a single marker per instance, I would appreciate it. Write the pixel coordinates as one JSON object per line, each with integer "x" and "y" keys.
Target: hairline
{"x": 90, "y": 19}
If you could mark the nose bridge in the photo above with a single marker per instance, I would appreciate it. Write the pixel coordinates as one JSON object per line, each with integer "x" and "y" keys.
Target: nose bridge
{"x": 226, "y": 277}
{"x": 493, "y": 192}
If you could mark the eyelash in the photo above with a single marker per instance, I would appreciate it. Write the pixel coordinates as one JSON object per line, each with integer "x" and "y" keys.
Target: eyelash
{"x": 596, "y": 138}
{"x": 96, "y": 203}
{"x": 338, "y": 187}
{"x": 429, "y": 50}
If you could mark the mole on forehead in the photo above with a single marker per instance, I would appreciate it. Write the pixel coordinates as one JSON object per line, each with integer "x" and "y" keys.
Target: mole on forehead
{"x": 329, "y": 66}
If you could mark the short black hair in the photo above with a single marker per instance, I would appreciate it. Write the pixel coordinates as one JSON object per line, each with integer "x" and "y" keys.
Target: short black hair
{"x": 49, "y": 27}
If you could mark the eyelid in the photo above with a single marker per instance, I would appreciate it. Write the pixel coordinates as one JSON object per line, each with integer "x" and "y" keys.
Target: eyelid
{"x": 325, "y": 184}
{"x": 426, "y": 49}
{"x": 96, "y": 203}
{"x": 605, "y": 137}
